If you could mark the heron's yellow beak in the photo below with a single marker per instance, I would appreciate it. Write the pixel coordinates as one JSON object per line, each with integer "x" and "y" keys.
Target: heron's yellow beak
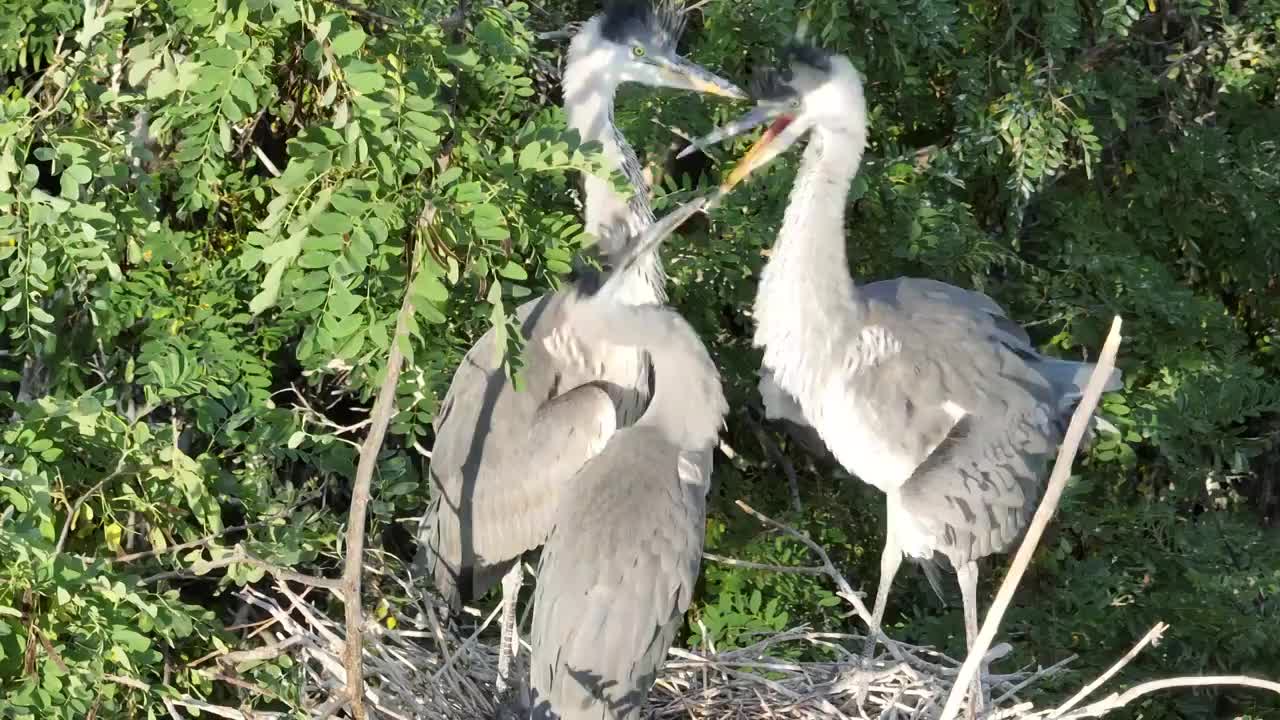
{"x": 758, "y": 155}
{"x": 680, "y": 73}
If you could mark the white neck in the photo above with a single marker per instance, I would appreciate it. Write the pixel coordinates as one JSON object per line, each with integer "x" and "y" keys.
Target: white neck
{"x": 807, "y": 308}
{"x": 588, "y": 98}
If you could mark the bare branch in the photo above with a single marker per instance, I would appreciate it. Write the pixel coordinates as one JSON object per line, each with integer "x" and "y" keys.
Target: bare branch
{"x": 748, "y": 565}
{"x": 1057, "y": 482}
{"x": 843, "y": 589}
{"x": 1119, "y": 700}
{"x": 74, "y": 510}
{"x": 1152, "y": 637}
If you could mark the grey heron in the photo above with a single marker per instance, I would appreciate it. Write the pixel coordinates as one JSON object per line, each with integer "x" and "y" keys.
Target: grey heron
{"x": 619, "y": 565}
{"x": 926, "y": 391}
{"x": 500, "y": 455}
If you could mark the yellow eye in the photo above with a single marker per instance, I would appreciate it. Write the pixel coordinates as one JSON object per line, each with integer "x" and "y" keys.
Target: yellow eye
{"x": 637, "y": 51}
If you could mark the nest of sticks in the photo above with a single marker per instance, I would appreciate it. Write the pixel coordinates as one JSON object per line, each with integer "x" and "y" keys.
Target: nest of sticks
{"x": 431, "y": 667}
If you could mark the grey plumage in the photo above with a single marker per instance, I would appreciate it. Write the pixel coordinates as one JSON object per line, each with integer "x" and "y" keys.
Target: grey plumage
{"x": 926, "y": 391}
{"x": 618, "y": 568}
{"x": 500, "y": 455}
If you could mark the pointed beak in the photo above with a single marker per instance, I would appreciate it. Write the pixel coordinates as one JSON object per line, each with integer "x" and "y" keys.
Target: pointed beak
{"x": 733, "y": 128}
{"x": 680, "y": 73}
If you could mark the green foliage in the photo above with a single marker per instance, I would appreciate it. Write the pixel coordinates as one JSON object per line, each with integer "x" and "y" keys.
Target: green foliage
{"x": 210, "y": 211}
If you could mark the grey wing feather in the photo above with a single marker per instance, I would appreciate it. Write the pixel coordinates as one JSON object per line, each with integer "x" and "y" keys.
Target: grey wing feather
{"x": 976, "y": 492}
{"x": 489, "y": 438}
{"x": 616, "y": 576}
{"x": 937, "y": 291}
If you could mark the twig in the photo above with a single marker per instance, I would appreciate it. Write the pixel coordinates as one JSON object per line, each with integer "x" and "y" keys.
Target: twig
{"x": 1119, "y": 700}
{"x": 224, "y": 711}
{"x": 1057, "y": 482}
{"x": 1152, "y": 637}
{"x": 127, "y": 682}
{"x": 169, "y": 550}
{"x": 266, "y": 652}
{"x": 84, "y": 497}
{"x": 843, "y": 589}
{"x": 748, "y": 565}
{"x": 383, "y": 408}
{"x": 240, "y": 556}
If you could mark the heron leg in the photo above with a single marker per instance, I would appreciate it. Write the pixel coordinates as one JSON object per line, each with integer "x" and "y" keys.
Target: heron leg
{"x": 890, "y": 561}
{"x": 967, "y": 572}
{"x": 509, "y": 645}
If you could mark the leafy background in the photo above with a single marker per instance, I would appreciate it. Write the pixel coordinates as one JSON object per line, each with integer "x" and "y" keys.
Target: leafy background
{"x": 211, "y": 207}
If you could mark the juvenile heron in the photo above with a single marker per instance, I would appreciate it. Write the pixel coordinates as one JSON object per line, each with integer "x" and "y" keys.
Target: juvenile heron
{"x": 500, "y": 456}
{"x": 619, "y": 566}
{"x": 926, "y": 391}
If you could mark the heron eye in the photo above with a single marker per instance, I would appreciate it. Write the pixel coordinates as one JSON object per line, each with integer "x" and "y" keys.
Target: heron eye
{"x": 637, "y": 51}
{"x": 795, "y": 103}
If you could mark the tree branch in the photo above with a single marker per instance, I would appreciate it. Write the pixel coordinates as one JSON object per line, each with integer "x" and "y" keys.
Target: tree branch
{"x": 843, "y": 589}
{"x": 748, "y": 565}
{"x": 1152, "y": 637}
{"x": 383, "y": 408}
{"x": 1057, "y": 482}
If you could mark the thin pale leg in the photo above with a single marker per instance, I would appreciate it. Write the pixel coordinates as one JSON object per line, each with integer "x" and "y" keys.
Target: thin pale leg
{"x": 968, "y": 576}
{"x": 509, "y": 645}
{"x": 890, "y": 561}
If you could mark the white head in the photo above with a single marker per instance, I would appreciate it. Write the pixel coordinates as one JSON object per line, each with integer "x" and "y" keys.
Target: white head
{"x": 634, "y": 41}
{"x": 812, "y": 89}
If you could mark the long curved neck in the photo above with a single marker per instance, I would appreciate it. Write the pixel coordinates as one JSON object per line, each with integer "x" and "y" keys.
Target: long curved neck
{"x": 807, "y": 304}
{"x": 588, "y": 98}
{"x": 688, "y": 405}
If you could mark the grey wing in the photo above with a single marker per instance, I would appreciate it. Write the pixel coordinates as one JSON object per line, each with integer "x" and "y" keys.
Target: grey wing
{"x": 616, "y": 576}
{"x": 915, "y": 295}
{"x": 498, "y": 458}
{"x": 977, "y": 491}
{"x": 910, "y": 291}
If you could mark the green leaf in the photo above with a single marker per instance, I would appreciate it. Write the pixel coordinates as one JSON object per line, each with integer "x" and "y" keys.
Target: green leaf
{"x": 230, "y": 110}
{"x": 366, "y": 83}
{"x": 512, "y": 271}
{"x": 220, "y": 57}
{"x": 348, "y": 42}
{"x": 270, "y": 288}
{"x": 430, "y": 287}
{"x": 530, "y": 156}
{"x": 130, "y": 639}
{"x": 79, "y": 173}
{"x": 332, "y": 223}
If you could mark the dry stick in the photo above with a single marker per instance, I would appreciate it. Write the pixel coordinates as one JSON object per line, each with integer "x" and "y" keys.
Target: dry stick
{"x": 383, "y": 407}
{"x": 842, "y": 585}
{"x": 748, "y": 565}
{"x": 1057, "y": 482}
{"x": 1153, "y": 636}
{"x": 1118, "y": 700}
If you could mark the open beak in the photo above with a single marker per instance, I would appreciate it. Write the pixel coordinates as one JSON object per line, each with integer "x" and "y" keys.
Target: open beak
{"x": 759, "y": 154}
{"x": 686, "y": 75}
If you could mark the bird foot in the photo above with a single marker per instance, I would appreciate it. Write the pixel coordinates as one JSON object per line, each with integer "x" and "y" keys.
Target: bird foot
{"x": 509, "y": 644}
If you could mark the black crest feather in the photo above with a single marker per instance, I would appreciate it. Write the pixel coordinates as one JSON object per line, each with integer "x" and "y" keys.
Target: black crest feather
{"x": 656, "y": 22}
{"x": 815, "y": 57}
{"x": 774, "y": 82}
